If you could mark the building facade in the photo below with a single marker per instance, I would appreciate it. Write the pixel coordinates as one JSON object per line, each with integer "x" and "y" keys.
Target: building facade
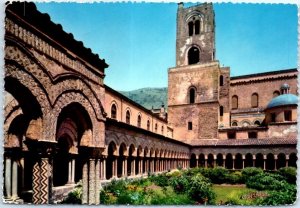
{"x": 62, "y": 125}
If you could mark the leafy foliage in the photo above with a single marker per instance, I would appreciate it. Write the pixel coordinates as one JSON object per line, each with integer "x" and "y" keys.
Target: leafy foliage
{"x": 266, "y": 181}
{"x": 160, "y": 180}
{"x": 180, "y": 184}
{"x": 251, "y": 171}
{"x": 285, "y": 196}
{"x": 200, "y": 190}
{"x": 289, "y": 173}
{"x": 74, "y": 197}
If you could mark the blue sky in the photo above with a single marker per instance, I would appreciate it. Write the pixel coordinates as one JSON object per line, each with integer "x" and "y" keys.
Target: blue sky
{"x": 138, "y": 40}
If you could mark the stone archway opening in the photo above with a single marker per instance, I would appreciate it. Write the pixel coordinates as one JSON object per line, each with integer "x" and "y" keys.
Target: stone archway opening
{"x": 238, "y": 163}
{"x": 201, "y": 160}
{"x": 259, "y": 161}
{"x": 220, "y": 161}
{"x": 120, "y": 160}
{"x": 281, "y": 161}
{"x": 293, "y": 160}
{"x": 229, "y": 161}
{"x": 130, "y": 161}
{"x": 146, "y": 161}
{"x": 193, "y": 162}
{"x": 23, "y": 121}
{"x": 110, "y": 162}
{"x": 210, "y": 161}
{"x": 73, "y": 130}
{"x": 270, "y": 163}
{"x": 248, "y": 160}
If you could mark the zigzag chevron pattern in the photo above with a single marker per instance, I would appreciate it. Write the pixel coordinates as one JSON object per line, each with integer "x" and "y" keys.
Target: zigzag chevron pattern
{"x": 44, "y": 181}
{"x": 36, "y": 183}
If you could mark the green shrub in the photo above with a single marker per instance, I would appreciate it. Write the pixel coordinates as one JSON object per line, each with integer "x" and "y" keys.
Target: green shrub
{"x": 116, "y": 186}
{"x": 234, "y": 178}
{"x": 107, "y": 198}
{"x": 166, "y": 196}
{"x": 285, "y": 196}
{"x": 289, "y": 173}
{"x": 180, "y": 184}
{"x": 131, "y": 197}
{"x": 174, "y": 173}
{"x": 200, "y": 190}
{"x": 251, "y": 171}
{"x": 74, "y": 197}
{"x": 142, "y": 182}
{"x": 217, "y": 175}
{"x": 160, "y": 180}
{"x": 266, "y": 181}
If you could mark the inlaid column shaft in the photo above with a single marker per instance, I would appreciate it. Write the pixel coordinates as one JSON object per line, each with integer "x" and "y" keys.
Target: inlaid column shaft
{"x": 15, "y": 180}
{"x": 85, "y": 183}
{"x": 91, "y": 181}
{"x": 8, "y": 177}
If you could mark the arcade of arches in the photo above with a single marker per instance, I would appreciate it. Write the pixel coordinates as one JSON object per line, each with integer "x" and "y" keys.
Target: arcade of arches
{"x": 240, "y": 161}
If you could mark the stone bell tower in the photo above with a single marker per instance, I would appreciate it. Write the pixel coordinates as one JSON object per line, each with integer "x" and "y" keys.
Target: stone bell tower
{"x": 197, "y": 87}
{"x": 195, "y": 39}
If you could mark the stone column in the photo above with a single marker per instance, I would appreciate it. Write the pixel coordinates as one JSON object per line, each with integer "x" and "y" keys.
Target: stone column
{"x": 264, "y": 157}
{"x": 243, "y": 158}
{"x": 22, "y": 171}
{"x": 133, "y": 167}
{"x": 224, "y": 160}
{"x": 104, "y": 168}
{"x": 70, "y": 172}
{"x": 215, "y": 161}
{"x": 287, "y": 157}
{"x": 73, "y": 171}
{"x": 8, "y": 177}
{"x": 205, "y": 158}
{"x": 15, "y": 180}
{"x": 275, "y": 161}
{"x": 85, "y": 183}
{"x": 254, "y": 159}
{"x": 91, "y": 180}
{"x": 233, "y": 161}
{"x": 97, "y": 182}
{"x": 116, "y": 167}
{"x": 125, "y": 166}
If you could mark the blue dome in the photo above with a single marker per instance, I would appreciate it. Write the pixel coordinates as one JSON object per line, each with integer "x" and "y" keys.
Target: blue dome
{"x": 285, "y": 99}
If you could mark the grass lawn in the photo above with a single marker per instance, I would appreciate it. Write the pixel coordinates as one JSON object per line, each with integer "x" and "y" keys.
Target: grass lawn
{"x": 225, "y": 192}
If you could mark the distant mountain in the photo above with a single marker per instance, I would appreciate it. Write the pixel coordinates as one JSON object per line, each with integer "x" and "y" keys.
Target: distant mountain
{"x": 148, "y": 97}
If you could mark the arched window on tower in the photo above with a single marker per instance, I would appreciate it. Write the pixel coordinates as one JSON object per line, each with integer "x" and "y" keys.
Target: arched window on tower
{"x": 191, "y": 28}
{"x": 197, "y": 27}
{"x": 234, "y": 102}
{"x": 193, "y": 55}
{"x": 221, "y": 111}
{"x": 127, "y": 117}
{"x": 192, "y": 95}
{"x": 139, "y": 120}
{"x": 221, "y": 80}
{"x": 276, "y": 93}
{"x": 254, "y": 100}
{"x": 113, "y": 111}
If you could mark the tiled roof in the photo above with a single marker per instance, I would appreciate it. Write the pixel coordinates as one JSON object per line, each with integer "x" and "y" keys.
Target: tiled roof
{"x": 243, "y": 142}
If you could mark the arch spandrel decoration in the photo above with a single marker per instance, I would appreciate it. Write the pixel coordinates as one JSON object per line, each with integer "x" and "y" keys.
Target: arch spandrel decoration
{"x": 76, "y": 97}
{"x": 53, "y": 87}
